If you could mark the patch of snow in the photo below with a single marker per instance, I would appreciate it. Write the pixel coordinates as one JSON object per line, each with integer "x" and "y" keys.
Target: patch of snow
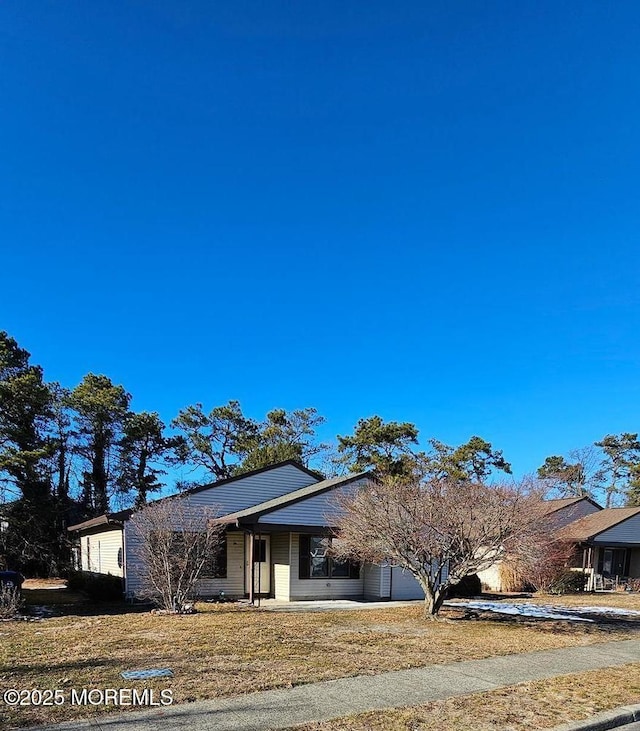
{"x": 521, "y": 610}
{"x": 614, "y": 611}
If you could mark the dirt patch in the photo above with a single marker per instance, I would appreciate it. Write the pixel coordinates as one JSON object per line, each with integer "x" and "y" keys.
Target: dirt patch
{"x": 45, "y": 584}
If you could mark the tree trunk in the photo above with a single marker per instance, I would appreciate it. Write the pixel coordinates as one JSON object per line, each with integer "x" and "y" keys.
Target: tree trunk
{"x": 141, "y": 497}
{"x": 99, "y": 475}
{"x": 433, "y": 599}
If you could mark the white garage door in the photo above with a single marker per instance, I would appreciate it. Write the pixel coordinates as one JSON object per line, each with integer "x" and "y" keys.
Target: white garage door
{"x": 404, "y": 586}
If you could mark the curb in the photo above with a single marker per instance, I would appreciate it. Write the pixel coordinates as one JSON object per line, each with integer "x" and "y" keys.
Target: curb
{"x": 605, "y": 720}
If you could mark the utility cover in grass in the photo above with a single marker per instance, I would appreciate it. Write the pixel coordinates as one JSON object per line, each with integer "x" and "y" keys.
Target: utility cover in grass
{"x": 147, "y": 674}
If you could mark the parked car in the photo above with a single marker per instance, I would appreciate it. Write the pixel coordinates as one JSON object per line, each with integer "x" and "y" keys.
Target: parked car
{"x": 11, "y": 579}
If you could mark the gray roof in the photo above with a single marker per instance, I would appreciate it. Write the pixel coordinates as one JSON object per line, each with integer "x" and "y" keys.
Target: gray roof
{"x": 292, "y": 497}
{"x": 552, "y": 506}
{"x": 123, "y": 515}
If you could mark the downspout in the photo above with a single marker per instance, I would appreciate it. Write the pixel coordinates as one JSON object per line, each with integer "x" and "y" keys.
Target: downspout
{"x": 260, "y": 568}
{"x": 251, "y": 566}
{"x": 124, "y": 561}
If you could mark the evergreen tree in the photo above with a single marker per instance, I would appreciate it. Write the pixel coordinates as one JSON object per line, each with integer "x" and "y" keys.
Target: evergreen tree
{"x": 25, "y": 414}
{"x": 620, "y": 465}
{"x": 473, "y": 460}
{"x": 384, "y": 447}
{"x": 282, "y": 436}
{"x": 215, "y": 441}
{"x": 99, "y": 410}
{"x": 144, "y": 449}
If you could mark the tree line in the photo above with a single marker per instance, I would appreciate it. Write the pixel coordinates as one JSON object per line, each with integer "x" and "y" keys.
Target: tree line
{"x": 70, "y": 454}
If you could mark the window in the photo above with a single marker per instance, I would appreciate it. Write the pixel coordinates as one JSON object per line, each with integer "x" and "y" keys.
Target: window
{"x": 216, "y": 566}
{"x": 259, "y": 550}
{"x": 120, "y": 558}
{"x": 316, "y": 561}
{"x": 613, "y": 562}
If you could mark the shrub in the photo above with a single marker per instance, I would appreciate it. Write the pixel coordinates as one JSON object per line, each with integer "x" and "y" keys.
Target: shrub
{"x": 98, "y": 587}
{"x": 633, "y": 585}
{"x": 103, "y": 587}
{"x": 569, "y": 582}
{"x": 75, "y": 580}
{"x": 10, "y": 600}
{"x": 469, "y": 586}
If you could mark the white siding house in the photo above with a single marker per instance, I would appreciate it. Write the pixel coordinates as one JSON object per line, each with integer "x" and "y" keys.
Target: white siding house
{"x": 102, "y": 552}
{"x": 278, "y": 529}
{"x": 279, "y": 524}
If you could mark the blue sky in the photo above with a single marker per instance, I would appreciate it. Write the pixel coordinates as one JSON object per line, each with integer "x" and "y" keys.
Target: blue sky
{"x": 423, "y": 210}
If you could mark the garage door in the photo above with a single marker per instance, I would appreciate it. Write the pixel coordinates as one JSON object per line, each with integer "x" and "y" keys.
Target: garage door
{"x": 404, "y": 586}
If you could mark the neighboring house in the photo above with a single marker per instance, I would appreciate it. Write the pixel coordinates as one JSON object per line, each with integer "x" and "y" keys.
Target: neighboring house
{"x": 609, "y": 546}
{"x": 559, "y": 513}
{"x": 562, "y": 511}
{"x": 276, "y": 538}
{"x": 607, "y": 542}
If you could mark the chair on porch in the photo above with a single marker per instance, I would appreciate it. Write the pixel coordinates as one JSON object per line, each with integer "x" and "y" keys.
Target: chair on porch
{"x": 603, "y": 583}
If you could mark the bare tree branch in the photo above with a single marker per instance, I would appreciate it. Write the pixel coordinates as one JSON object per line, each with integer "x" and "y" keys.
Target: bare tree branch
{"x": 440, "y": 531}
{"x": 175, "y": 541}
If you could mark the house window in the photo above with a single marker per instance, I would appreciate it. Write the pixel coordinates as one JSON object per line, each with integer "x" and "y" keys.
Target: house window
{"x": 259, "y": 550}
{"x": 613, "y": 562}
{"x": 216, "y": 566}
{"x": 316, "y": 561}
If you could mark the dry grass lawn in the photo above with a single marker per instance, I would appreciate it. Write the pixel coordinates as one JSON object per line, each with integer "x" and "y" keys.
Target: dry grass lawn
{"x": 619, "y": 599}
{"x": 535, "y": 705}
{"x": 226, "y": 649}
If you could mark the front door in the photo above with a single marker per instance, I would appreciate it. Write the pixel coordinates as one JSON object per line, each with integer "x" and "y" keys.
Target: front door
{"x": 261, "y": 564}
{"x": 613, "y": 562}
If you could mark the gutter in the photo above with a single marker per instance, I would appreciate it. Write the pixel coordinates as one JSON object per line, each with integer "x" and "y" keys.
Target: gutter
{"x": 95, "y": 522}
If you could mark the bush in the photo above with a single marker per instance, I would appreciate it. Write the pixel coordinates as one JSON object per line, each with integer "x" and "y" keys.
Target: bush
{"x": 98, "y": 587}
{"x": 10, "y": 600}
{"x": 75, "y": 580}
{"x": 633, "y": 585}
{"x": 103, "y": 588}
{"x": 569, "y": 582}
{"x": 469, "y": 586}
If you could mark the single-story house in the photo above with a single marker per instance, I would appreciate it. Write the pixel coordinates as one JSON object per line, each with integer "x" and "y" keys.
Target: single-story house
{"x": 609, "y": 546}
{"x": 559, "y": 513}
{"x": 275, "y": 541}
{"x": 607, "y": 542}
{"x": 562, "y": 511}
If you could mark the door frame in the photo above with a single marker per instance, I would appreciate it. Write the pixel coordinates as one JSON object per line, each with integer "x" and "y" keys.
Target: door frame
{"x": 262, "y": 574}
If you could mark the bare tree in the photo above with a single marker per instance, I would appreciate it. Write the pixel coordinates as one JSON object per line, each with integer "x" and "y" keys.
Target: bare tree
{"x": 578, "y": 476}
{"x": 540, "y": 566}
{"x": 440, "y": 531}
{"x": 175, "y": 542}
{"x": 10, "y": 600}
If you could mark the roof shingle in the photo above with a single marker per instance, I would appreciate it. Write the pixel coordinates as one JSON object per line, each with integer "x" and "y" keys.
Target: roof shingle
{"x": 590, "y": 526}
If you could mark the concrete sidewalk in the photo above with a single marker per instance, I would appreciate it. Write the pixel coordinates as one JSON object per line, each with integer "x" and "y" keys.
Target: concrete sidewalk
{"x": 277, "y": 709}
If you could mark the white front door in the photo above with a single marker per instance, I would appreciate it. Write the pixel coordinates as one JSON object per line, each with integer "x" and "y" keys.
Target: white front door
{"x": 262, "y": 562}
